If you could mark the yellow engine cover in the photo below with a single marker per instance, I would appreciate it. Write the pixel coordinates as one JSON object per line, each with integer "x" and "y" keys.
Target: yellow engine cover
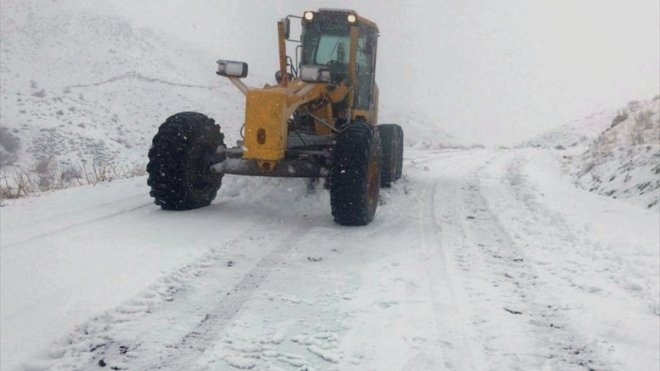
{"x": 266, "y": 127}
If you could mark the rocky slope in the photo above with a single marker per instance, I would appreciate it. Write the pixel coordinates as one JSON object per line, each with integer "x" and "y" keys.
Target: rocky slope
{"x": 624, "y": 160}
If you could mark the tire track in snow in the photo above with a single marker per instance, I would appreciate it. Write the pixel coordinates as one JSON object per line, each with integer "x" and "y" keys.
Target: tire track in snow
{"x": 515, "y": 285}
{"x": 102, "y": 340}
{"x": 77, "y": 211}
{"x": 450, "y": 347}
{"x": 623, "y": 271}
{"x": 77, "y": 224}
{"x": 186, "y": 352}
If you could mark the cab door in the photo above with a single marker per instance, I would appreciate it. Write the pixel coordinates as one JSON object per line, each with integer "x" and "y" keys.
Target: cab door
{"x": 364, "y": 98}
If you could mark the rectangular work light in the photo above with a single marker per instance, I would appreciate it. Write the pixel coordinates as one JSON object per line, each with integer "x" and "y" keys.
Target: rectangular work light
{"x": 232, "y": 68}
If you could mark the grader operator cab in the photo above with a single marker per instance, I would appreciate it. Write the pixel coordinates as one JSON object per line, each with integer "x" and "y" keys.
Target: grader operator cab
{"x": 319, "y": 121}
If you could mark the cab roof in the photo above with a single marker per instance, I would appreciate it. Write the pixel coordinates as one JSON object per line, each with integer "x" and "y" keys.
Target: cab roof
{"x": 360, "y": 19}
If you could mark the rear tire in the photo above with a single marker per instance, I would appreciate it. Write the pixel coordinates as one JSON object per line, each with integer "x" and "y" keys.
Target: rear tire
{"x": 355, "y": 179}
{"x": 179, "y": 175}
{"x": 399, "y": 154}
{"x": 391, "y": 136}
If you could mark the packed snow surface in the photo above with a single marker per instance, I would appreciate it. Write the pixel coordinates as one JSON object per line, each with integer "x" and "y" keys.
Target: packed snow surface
{"x": 476, "y": 260}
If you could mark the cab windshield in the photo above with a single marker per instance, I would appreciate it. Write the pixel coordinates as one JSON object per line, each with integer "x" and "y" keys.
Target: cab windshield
{"x": 323, "y": 47}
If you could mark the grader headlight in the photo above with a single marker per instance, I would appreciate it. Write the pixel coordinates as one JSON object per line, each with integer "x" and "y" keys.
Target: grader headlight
{"x": 309, "y": 16}
{"x": 313, "y": 73}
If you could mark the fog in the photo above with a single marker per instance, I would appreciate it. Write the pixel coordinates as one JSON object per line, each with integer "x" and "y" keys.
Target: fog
{"x": 491, "y": 72}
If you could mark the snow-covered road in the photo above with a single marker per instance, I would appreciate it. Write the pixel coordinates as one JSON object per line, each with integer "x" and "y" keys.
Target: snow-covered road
{"x": 477, "y": 260}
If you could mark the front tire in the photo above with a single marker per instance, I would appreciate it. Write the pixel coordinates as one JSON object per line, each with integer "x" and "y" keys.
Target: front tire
{"x": 179, "y": 175}
{"x": 355, "y": 179}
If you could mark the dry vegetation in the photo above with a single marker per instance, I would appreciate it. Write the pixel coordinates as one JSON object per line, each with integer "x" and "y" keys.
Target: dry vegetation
{"x": 46, "y": 176}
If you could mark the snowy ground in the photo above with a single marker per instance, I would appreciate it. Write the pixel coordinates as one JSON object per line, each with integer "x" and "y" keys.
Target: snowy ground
{"x": 476, "y": 260}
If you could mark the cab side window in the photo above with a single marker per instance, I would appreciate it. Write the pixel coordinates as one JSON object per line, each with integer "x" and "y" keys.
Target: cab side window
{"x": 365, "y": 58}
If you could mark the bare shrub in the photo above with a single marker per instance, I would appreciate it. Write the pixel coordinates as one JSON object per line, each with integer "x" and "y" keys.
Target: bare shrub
{"x": 69, "y": 174}
{"x": 39, "y": 94}
{"x": 643, "y": 125}
{"x": 20, "y": 184}
{"x": 634, "y": 105}
{"x": 44, "y": 176}
{"x": 644, "y": 119}
{"x": 620, "y": 117}
{"x": 45, "y": 170}
{"x": 137, "y": 170}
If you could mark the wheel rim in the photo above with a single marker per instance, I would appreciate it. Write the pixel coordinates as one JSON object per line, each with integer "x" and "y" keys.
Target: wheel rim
{"x": 199, "y": 174}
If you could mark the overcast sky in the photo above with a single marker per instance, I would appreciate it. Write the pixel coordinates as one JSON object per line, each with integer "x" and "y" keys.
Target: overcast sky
{"x": 488, "y": 71}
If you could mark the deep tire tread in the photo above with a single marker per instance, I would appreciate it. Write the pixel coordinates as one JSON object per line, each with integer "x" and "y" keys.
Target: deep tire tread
{"x": 357, "y": 145}
{"x": 174, "y": 157}
{"x": 391, "y": 136}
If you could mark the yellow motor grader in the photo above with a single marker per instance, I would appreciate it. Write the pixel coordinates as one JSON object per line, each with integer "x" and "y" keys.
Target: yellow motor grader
{"x": 319, "y": 121}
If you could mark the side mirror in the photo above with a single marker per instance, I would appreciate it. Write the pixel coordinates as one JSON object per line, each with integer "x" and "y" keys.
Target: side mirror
{"x": 312, "y": 73}
{"x": 232, "y": 68}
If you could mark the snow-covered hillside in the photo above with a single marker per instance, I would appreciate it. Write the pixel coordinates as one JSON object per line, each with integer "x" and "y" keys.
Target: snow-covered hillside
{"x": 81, "y": 85}
{"x": 624, "y": 161}
{"x": 615, "y": 153}
{"x": 578, "y": 132}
